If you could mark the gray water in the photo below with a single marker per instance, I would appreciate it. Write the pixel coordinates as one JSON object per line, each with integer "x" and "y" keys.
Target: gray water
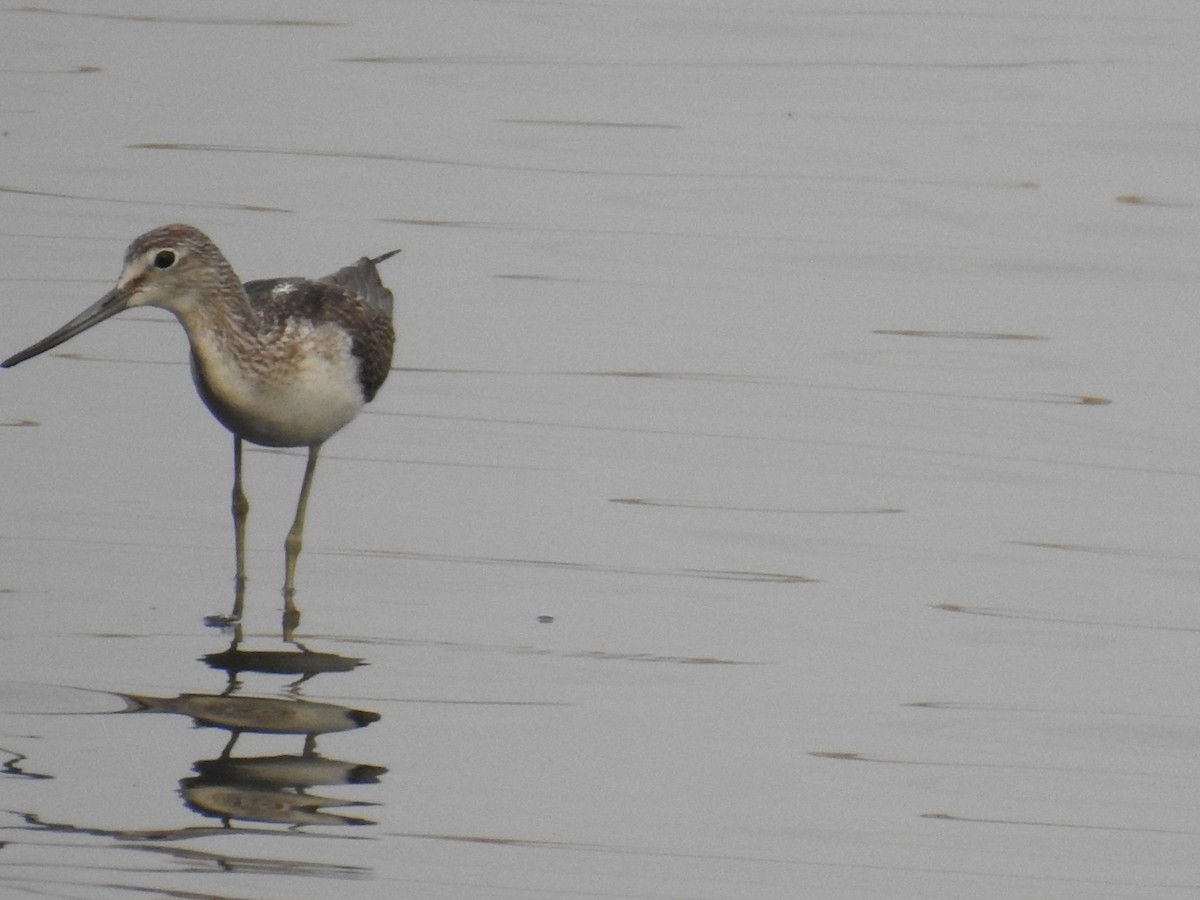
{"x": 787, "y": 486}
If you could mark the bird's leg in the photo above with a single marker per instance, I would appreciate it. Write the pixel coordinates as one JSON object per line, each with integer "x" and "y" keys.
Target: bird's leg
{"x": 233, "y": 739}
{"x": 241, "y": 509}
{"x": 295, "y": 540}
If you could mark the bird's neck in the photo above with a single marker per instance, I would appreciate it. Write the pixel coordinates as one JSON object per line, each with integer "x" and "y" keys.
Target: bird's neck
{"x": 221, "y": 326}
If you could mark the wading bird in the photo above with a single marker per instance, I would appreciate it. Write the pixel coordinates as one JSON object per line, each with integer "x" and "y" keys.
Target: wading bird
{"x": 281, "y": 362}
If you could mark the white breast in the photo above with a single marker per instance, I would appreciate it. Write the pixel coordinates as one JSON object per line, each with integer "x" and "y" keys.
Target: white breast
{"x": 296, "y": 389}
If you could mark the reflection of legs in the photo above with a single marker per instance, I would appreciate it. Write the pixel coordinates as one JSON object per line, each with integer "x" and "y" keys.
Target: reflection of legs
{"x": 241, "y": 509}
{"x": 295, "y": 540}
{"x": 233, "y": 739}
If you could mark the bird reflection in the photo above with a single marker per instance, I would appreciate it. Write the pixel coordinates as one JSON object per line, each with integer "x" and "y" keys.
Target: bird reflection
{"x": 273, "y": 802}
{"x": 270, "y": 789}
{"x": 257, "y": 715}
{"x": 305, "y": 663}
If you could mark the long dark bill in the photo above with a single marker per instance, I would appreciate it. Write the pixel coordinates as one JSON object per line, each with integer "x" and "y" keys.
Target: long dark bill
{"x": 108, "y": 305}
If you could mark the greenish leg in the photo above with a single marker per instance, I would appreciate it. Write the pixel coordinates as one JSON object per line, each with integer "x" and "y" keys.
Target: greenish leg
{"x": 295, "y": 540}
{"x": 241, "y": 509}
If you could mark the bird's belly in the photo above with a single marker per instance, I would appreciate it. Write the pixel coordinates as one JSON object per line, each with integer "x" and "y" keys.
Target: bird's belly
{"x": 281, "y": 406}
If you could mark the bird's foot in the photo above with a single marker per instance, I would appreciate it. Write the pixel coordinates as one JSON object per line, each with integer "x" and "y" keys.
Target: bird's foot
{"x": 222, "y": 621}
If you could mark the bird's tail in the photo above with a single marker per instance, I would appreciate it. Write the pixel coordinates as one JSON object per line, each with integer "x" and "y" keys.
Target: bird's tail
{"x": 362, "y": 279}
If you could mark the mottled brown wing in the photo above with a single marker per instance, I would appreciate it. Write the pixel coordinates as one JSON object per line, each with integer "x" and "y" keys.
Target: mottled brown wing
{"x": 369, "y": 326}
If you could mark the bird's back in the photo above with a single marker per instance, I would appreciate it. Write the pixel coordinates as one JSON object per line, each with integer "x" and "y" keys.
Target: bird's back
{"x": 354, "y": 298}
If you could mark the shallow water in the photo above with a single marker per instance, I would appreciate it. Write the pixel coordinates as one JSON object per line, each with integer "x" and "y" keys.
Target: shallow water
{"x": 787, "y": 486}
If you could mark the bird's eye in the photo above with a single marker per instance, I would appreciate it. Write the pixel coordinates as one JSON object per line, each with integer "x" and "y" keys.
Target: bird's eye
{"x": 164, "y": 259}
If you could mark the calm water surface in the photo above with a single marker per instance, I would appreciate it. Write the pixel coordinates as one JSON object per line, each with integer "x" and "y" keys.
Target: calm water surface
{"x": 788, "y": 486}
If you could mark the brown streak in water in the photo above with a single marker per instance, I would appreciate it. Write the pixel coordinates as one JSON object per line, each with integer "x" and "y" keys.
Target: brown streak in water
{"x": 767, "y": 380}
{"x": 559, "y": 279}
{"x": 58, "y": 238}
{"x": 1058, "y": 712}
{"x": 78, "y": 70}
{"x": 552, "y": 170}
{"x": 712, "y": 64}
{"x": 574, "y": 123}
{"x": 634, "y": 232}
{"x": 1139, "y": 200}
{"x": 1031, "y": 616}
{"x": 241, "y": 207}
{"x": 424, "y": 701}
{"x": 961, "y": 335}
{"x": 966, "y": 706}
{"x": 850, "y": 756}
{"x": 836, "y": 754}
{"x": 484, "y": 839}
{"x": 949, "y": 817}
{"x": 816, "y": 442}
{"x": 1104, "y": 551}
{"x": 654, "y": 658}
{"x": 714, "y": 574}
{"x": 645, "y": 501}
{"x": 1070, "y": 399}
{"x": 13, "y": 279}
{"x": 180, "y": 20}
{"x": 20, "y": 423}
{"x": 737, "y": 575}
{"x": 542, "y": 278}
{"x": 441, "y": 223}
{"x": 820, "y": 863}
{"x": 519, "y": 650}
